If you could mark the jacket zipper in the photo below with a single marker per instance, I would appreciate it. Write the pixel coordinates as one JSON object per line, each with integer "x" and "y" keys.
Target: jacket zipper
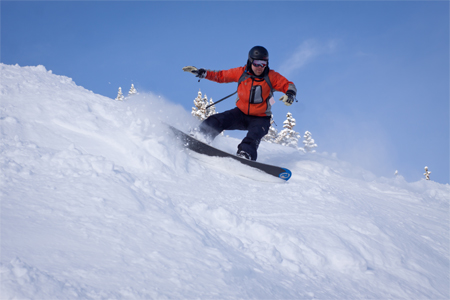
{"x": 251, "y": 94}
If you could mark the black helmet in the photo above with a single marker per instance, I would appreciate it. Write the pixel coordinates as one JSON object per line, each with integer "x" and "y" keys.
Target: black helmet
{"x": 258, "y": 52}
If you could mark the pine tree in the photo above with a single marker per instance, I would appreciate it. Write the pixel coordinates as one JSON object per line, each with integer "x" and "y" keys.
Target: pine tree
{"x": 120, "y": 95}
{"x": 427, "y": 173}
{"x": 199, "y": 110}
{"x": 309, "y": 143}
{"x": 132, "y": 91}
{"x": 271, "y": 136}
{"x": 288, "y": 136}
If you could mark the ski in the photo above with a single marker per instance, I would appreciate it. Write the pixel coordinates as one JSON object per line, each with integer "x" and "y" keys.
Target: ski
{"x": 202, "y": 148}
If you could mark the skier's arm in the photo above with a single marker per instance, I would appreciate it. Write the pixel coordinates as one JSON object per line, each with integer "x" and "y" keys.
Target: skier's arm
{"x": 223, "y": 76}
{"x": 281, "y": 84}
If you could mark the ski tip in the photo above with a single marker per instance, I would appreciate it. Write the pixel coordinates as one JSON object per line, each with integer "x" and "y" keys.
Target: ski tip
{"x": 285, "y": 175}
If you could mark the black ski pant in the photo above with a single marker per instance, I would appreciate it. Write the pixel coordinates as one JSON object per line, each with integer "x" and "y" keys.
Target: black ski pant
{"x": 235, "y": 119}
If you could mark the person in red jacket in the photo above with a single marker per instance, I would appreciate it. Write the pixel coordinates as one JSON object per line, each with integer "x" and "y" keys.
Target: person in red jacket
{"x": 256, "y": 84}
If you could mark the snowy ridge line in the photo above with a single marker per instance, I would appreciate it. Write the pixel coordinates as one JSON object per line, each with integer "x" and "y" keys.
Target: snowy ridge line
{"x": 97, "y": 202}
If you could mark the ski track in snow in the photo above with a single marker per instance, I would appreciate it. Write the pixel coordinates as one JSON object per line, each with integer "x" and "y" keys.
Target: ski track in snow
{"x": 98, "y": 202}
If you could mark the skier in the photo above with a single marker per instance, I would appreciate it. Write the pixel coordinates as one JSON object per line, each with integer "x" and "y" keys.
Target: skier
{"x": 256, "y": 83}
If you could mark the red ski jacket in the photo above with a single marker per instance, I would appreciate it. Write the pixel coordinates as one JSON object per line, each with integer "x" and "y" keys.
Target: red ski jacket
{"x": 254, "y": 93}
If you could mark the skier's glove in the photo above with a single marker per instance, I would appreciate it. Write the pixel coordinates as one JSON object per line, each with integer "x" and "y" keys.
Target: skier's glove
{"x": 200, "y": 73}
{"x": 288, "y": 99}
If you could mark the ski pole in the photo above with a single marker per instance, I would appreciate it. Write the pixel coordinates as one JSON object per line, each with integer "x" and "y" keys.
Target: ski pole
{"x": 220, "y": 100}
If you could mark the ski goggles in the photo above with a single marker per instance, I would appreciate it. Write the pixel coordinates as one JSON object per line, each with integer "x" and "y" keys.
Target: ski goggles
{"x": 259, "y": 63}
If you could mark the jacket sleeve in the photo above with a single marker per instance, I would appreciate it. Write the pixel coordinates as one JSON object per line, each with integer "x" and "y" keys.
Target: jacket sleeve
{"x": 231, "y": 75}
{"x": 281, "y": 84}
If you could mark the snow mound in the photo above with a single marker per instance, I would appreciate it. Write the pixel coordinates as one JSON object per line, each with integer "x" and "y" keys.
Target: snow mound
{"x": 99, "y": 202}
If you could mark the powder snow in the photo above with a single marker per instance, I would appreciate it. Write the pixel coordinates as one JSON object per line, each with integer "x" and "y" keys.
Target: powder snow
{"x": 98, "y": 201}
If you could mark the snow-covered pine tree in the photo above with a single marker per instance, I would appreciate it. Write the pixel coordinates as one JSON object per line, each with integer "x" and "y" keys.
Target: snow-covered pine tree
{"x": 309, "y": 143}
{"x": 427, "y": 173}
{"x": 199, "y": 110}
{"x": 132, "y": 91}
{"x": 271, "y": 136}
{"x": 288, "y": 136}
{"x": 120, "y": 95}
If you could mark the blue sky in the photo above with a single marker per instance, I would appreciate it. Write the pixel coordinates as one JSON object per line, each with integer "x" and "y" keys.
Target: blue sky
{"x": 372, "y": 77}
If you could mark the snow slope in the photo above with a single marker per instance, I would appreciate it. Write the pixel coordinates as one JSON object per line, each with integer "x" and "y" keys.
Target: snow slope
{"x": 98, "y": 202}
